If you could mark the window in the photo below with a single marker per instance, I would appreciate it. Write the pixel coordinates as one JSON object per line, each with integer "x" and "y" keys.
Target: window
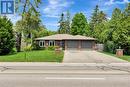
{"x": 51, "y": 43}
{"x": 41, "y": 43}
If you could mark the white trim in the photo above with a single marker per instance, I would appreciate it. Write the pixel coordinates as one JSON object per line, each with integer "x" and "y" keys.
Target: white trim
{"x": 51, "y": 41}
{"x": 43, "y": 43}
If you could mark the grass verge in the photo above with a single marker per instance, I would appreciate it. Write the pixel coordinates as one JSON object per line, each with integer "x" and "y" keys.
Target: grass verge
{"x": 125, "y": 57}
{"x": 33, "y": 56}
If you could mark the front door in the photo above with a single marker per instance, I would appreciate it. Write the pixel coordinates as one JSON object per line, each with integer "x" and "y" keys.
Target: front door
{"x": 62, "y": 44}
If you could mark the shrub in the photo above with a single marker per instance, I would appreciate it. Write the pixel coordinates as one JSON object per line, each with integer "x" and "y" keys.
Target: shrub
{"x": 35, "y": 46}
{"x": 52, "y": 47}
{"x": 28, "y": 48}
{"x": 127, "y": 50}
{"x": 110, "y": 46}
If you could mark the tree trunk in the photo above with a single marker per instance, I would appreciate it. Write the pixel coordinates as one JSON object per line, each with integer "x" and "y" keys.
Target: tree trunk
{"x": 18, "y": 42}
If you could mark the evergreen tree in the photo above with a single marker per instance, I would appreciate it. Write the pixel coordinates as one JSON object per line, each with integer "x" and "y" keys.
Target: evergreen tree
{"x": 97, "y": 18}
{"x": 127, "y": 10}
{"x": 99, "y": 29}
{"x": 94, "y": 18}
{"x": 98, "y": 22}
{"x": 62, "y": 25}
{"x": 79, "y": 25}
{"x": 101, "y": 17}
{"x": 6, "y": 36}
{"x": 115, "y": 22}
{"x": 68, "y": 22}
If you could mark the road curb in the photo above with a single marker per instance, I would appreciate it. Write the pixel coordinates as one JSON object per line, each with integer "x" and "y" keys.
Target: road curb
{"x": 88, "y": 72}
{"x": 60, "y": 64}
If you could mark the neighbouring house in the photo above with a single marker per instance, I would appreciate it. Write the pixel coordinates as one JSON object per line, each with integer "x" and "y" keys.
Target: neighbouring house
{"x": 66, "y": 41}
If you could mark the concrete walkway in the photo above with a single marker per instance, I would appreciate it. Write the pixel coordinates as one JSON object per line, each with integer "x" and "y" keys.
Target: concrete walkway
{"x": 74, "y": 56}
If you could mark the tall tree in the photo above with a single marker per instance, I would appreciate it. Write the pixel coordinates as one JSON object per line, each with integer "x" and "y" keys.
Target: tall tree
{"x": 62, "y": 24}
{"x": 101, "y": 17}
{"x": 115, "y": 22}
{"x": 31, "y": 23}
{"x": 23, "y": 7}
{"x": 100, "y": 26}
{"x": 99, "y": 30}
{"x": 127, "y": 10}
{"x": 97, "y": 18}
{"x": 121, "y": 36}
{"x": 79, "y": 25}
{"x": 6, "y": 36}
{"x": 94, "y": 18}
{"x": 18, "y": 29}
{"x": 68, "y": 22}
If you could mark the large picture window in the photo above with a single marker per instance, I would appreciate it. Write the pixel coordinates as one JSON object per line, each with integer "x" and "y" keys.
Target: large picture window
{"x": 51, "y": 43}
{"x": 41, "y": 43}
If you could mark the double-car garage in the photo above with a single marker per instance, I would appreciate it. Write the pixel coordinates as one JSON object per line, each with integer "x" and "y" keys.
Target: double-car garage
{"x": 79, "y": 44}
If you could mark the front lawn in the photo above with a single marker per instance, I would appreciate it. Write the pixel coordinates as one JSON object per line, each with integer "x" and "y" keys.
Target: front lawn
{"x": 125, "y": 57}
{"x": 33, "y": 56}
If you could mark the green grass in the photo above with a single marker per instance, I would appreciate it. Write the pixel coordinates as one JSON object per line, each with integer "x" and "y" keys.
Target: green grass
{"x": 125, "y": 57}
{"x": 33, "y": 56}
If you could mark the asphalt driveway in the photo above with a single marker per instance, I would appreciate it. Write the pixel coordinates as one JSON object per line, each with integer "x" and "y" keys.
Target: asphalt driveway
{"x": 75, "y": 56}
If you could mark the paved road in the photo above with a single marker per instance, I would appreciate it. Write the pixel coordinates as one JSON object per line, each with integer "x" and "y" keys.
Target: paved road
{"x": 74, "y": 56}
{"x": 64, "y": 75}
{"x": 71, "y": 80}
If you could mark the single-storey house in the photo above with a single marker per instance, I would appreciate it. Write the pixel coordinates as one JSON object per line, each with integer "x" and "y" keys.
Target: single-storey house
{"x": 67, "y": 41}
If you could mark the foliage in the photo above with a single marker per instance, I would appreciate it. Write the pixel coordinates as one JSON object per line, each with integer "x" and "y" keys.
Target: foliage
{"x": 44, "y": 32}
{"x": 101, "y": 17}
{"x": 6, "y": 36}
{"x": 28, "y": 48}
{"x": 121, "y": 28}
{"x": 79, "y": 25}
{"x": 30, "y": 23}
{"x": 64, "y": 23}
{"x": 26, "y": 29}
{"x": 30, "y": 19}
{"x": 68, "y": 22}
{"x": 97, "y": 19}
{"x": 18, "y": 29}
{"x": 115, "y": 22}
{"x": 114, "y": 33}
{"x": 110, "y": 46}
{"x": 94, "y": 18}
{"x": 100, "y": 32}
{"x": 26, "y": 5}
{"x": 62, "y": 26}
{"x": 52, "y": 47}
